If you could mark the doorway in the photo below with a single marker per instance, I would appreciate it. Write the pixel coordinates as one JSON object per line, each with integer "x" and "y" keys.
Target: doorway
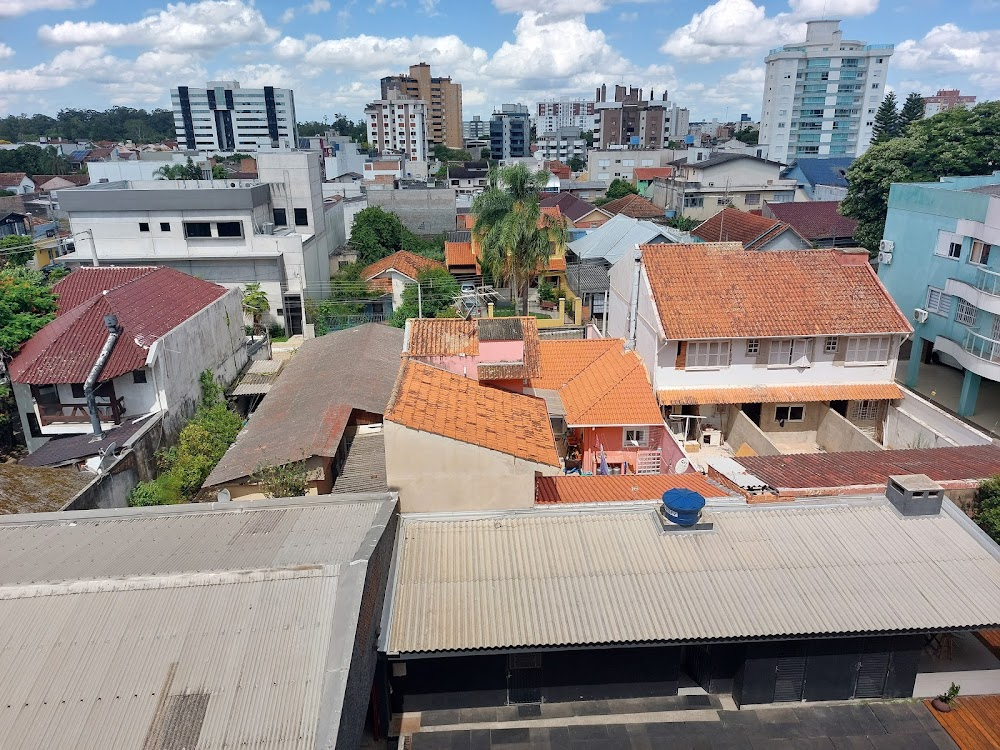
{"x": 752, "y": 411}
{"x": 293, "y": 314}
{"x": 524, "y": 678}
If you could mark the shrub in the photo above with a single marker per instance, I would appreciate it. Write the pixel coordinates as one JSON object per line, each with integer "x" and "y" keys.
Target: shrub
{"x": 987, "y": 507}
{"x": 287, "y": 480}
{"x": 276, "y": 331}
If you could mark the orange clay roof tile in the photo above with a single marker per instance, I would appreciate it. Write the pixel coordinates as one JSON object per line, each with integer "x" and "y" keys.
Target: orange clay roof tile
{"x": 442, "y": 337}
{"x": 633, "y": 205}
{"x": 750, "y": 230}
{"x": 596, "y": 489}
{"x": 407, "y": 263}
{"x": 779, "y": 394}
{"x": 563, "y": 360}
{"x": 613, "y": 390}
{"x": 460, "y": 254}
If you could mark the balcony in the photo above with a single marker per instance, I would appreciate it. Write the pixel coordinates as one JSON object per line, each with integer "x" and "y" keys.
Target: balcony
{"x": 977, "y": 353}
{"x": 110, "y": 412}
{"x": 983, "y": 292}
{"x": 58, "y": 415}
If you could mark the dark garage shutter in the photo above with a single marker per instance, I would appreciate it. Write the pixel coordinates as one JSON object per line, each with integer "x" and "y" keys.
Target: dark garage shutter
{"x": 524, "y": 678}
{"x": 790, "y": 678}
{"x": 872, "y": 670}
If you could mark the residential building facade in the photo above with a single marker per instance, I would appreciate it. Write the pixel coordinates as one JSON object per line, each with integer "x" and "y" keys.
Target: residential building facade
{"x": 476, "y": 129}
{"x": 606, "y": 165}
{"x": 630, "y": 120}
{"x": 442, "y": 97}
{"x": 398, "y": 124}
{"x": 553, "y": 114}
{"x": 225, "y": 117}
{"x": 941, "y": 263}
{"x": 562, "y": 144}
{"x": 821, "y": 95}
{"x": 510, "y": 132}
{"x": 946, "y": 99}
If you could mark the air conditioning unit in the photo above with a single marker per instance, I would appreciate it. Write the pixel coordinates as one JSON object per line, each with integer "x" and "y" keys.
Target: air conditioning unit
{"x": 886, "y": 246}
{"x": 884, "y": 259}
{"x": 267, "y": 227}
{"x": 920, "y": 315}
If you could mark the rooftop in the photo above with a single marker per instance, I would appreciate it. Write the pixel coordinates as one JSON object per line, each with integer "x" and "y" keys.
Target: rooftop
{"x": 733, "y": 225}
{"x": 721, "y": 158}
{"x": 442, "y": 403}
{"x": 364, "y": 467}
{"x": 633, "y": 487}
{"x": 815, "y": 220}
{"x": 609, "y": 576}
{"x": 780, "y": 394}
{"x": 32, "y": 489}
{"x": 826, "y": 171}
{"x": 619, "y": 235}
{"x": 781, "y": 293}
{"x": 651, "y": 173}
{"x": 11, "y": 179}
{"x": 74, "y": 448}
{"x": 572, "y": 208}
{"x": 407, "y": 263}
{"x": 633, "y": 205}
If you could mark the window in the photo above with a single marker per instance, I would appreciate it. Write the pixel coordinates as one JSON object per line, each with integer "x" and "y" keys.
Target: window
{"x": 230, "y": 228}
{"x": 77, "y": 390}
{"x": 753, "y": 199}
{"x": 143, "y": 226}
{"x": 788, "y": 353}
{"x": 301, "y": 217}
{"x": 707, "y": 354}
{"x": 635, "y": 438}
{"x": 753, "y": 347}
{"x": 948, "y": 245}
{"x": 955, "y": 250}
{"x": 693, "y": 201}
{"x": 789, "y": 413}
{"x": 866, "y": 350}
{"x": 865, "y": 411}
{"x": 197, "y": 229}
{"x": 725, "y": 201}
{"x": 164, "y": 226}
{"x": 966, "y": 313}
{"x": 603, "y": 163}
{"x": 980, "y": 252}
{"x": 938, "y": 302}
{"x": 138, "y": 376}
{"x": 830, "y": 345}
{"x": 280, "y": 219}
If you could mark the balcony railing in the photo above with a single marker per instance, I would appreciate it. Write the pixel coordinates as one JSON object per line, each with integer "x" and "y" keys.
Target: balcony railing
{"x": 108, "y": 411}
{"x": 988, "y": 281}
{"x": 982, "y": 347}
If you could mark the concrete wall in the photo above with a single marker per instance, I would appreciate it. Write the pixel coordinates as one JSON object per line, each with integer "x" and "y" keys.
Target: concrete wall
{"x": 836, "y": 434}
{"x": 423, "y": 212}
{"x": 110, "y": 489}
{"x": 917, "y": 423}
{"x": 435, "y": 473}
{"x": 743, "y": 430}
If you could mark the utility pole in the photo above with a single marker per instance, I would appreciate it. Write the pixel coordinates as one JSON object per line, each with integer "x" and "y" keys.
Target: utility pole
{"x": 420, "y": 302}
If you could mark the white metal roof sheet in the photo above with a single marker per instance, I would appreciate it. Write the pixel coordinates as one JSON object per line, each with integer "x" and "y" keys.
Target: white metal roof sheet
{"x": 571, "y": 578}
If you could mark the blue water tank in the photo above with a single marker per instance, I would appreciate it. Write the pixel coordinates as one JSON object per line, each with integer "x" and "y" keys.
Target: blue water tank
{"x": 683, "y": 506}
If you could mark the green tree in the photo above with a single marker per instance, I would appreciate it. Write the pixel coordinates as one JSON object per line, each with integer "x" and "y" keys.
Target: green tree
{"x": 16, "y": 250}
{"x": 26, "y": 305}
{"x": 913, "y": 110}
{"x": 287, "y": 480}
{"x": 219, "y": 172}
{"x": 986, "y": 507}
{"x": 515, "y": 238}
{"x": 377, "y": 233}
{"x": 437, "y": 292}
{"x": 886, "y": 120}
{"x": 444, "y": 154}
{"x": 749, "y": 136}
{"x": 576, "y": 164}
{"x": 187, "y": 171}
{"x": 683, "y": 223}
{"x": 255, "y": 305}
{"x": 588, "y": 136}
{"x": 953, "y": 143}
{"x": 618, "y": 188}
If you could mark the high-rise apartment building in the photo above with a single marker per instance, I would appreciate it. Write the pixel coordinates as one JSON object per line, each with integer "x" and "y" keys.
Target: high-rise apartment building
{"x": 630, "y": 121}
{"x": 225, "y": 117}
{"x": 820, "y": 96}
{"x": 946, "y": 99}
{"x": 510, "y": 132}
{"x": 397, "y": 124}
{"x": 443, "y": 99}
{"x": 476, "y": 129}
{"x": 553, "y": 114}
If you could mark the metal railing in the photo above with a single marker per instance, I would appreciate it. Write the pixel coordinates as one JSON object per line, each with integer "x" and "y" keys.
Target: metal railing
{"x": 982, "y": 347}
{"x": 55, "y": 413}
{"x": 988, "y": 281}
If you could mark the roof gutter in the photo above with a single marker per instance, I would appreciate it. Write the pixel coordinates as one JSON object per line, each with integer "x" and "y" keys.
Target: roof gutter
{"x": 89, "y": 386}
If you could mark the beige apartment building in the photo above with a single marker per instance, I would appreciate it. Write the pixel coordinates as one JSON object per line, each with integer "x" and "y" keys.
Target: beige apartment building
{"x": 444, "y": 102}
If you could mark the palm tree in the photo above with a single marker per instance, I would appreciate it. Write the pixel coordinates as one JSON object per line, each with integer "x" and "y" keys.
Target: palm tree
{"x": 515, "y": 238}
{"x": 255, "y": 305}
{"x": 170, "y": 172}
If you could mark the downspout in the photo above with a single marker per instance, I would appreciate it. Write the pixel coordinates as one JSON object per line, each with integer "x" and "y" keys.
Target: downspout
{"x": 90, "y": 385}
{"x": 633, "y": 302}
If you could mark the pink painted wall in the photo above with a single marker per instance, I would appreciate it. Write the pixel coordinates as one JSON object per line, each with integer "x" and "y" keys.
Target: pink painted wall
{"x": 501, "y": 351}
{"x": 612, "y": 440}
{"x": 465, "y": 366}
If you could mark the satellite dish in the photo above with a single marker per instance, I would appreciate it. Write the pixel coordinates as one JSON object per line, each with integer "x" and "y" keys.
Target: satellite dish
{"x": 682, "y": 466}
{"x": 107, "y": 457}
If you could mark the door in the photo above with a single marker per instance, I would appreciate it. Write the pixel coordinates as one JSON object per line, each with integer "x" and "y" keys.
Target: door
{"x": 524, "y": 678}
{"x": 790, "y": 677}
{"x": 873, "y": 668}
{"x": 293, "y": 314}
{"x": 995, "y": 335}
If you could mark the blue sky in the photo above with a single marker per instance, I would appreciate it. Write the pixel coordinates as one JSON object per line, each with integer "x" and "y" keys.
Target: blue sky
{"x": 97, "y": 53}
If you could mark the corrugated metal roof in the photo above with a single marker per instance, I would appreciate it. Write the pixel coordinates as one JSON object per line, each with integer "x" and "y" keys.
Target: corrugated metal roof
{"x": 619, "y": 235}
{"x": 117, "y": 622}
{"x": 258, "y": 377}
{"x": 559, "y": 578}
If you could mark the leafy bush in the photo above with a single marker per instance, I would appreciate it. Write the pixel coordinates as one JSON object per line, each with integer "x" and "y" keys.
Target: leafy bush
{"x": 987, "y": 507}
{"x": 287, "y": 480}
{"x": 276, "y": 331}
{"x": 547, "y": 292}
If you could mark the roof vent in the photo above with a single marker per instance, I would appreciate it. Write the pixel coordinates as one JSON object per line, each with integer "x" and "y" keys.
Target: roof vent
{"x": 681, "y": 511}
{"x": 915, "y": 494}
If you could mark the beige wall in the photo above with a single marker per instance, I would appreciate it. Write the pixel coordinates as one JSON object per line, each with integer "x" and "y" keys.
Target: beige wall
{"x": 319, "y": 466}
{"x": 743, "y": 430}
{"x": 434, "y": 473}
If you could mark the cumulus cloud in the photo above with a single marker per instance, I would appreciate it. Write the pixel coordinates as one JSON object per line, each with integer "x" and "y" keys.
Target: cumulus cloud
{"x": 552, "y": 7}
{"x": 202, "y": 26}
{"x": 312, "y": 8}
{"x": 14, "y": 8}
{"x": 949, "y": 50}
{"x": 5, "y": 51}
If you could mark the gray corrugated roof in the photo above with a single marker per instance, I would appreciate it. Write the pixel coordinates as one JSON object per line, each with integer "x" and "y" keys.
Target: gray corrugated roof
{"x": 547, "y": 579}
{"x": 590, "y": 276}
{"x": 258, "y": 378}
{"x": 230, "y": 625}
{"x": 364, "y": 467}
{"x": 619, "y": 235}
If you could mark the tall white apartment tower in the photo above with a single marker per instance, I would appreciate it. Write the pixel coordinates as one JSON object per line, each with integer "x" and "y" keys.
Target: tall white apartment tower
{"x": 225, "y": 117}
{"x": 820, "y": 96}
{"x": 398, "y": 125}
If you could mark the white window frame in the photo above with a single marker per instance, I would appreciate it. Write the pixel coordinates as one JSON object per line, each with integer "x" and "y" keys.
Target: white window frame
{"x": 966, "y": 312}
{"x": 639, "y": 439}
{"x": 831, "y": 344}
{"x": 865, "y": 410}
{"x": 753, "y": 347}
{"x": 868, "y": 350}
{"x": 707, "y": 355}
{"x": 788, "y": 411}
{"x": 788, "y": 353}
{"x": 979, "y": 248}
{"x": 938, "y": 302}
{"x": 949, "y": 246}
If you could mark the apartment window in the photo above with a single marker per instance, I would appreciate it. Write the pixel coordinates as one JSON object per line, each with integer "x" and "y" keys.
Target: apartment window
{"x": 628, "y": 162}
{"x": 694, "y": 201}
{"x": 143, "y": 226}
{"x": 866, "y": 350}
{"x": 980, "y": 252}
{"x": 724, "y": 201}
{"x": 709, "y": 355}
{"x": 230, "y": 228}
{"x": 938, "y": 302}
{"x": 138, "y": 376}
{"x": 647, "y": 162}
{"x": 636, "y": 438}
{"x": 197, "y": 229}
{"x": 830, "y": 345}
{"x": 280, "y": 218}
{"x": 753, "y": 347}
{"x": 865, "y": 411}
{"x": 788, "y": 353}
{"x": 603, "y": 163}
{"x": 301, "y": 217}
{"x": 789, "y": 413}
{"x": 965, "y": 313}
{"x": 955, "y": 250}
{"x": 164, "y": 226}
{"x": 753, "y": 199}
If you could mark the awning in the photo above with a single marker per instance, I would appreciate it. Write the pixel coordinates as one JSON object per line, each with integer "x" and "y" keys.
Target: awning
{"x": 258, "y": 378}
{"x": 780, "y": 394}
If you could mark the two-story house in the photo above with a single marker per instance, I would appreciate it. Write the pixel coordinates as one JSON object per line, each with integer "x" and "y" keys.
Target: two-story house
{"x": 786, "y": 351}
{"x": 146, "y": 334}
{"x": 940, "y": 260}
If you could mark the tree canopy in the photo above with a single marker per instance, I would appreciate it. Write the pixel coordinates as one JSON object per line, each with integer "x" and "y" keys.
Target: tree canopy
{"x": 34, "y": 160}
{"x": 913, "y": 110}
{"x": 618, "y": 188}
{"x": 749, "y": 136}
{"x": 576, "y": 164}
{"x": 437, "y": 292}
{"x": 114, "y": 124}
{"x": 886, "y": 120}
{"x": 187, "y": 171}
{"x": 957, "y": 142}
{"x": 26, "y": 305}
{"x": 341, "y": 125}
{"x": 986, "y": 507}
{"x": 376, "y": 234}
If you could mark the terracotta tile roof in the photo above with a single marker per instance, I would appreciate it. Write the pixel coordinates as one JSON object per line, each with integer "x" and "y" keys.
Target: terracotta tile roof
{"x": 750, "y": 230}
{"x": 780, "y": 394}
{"x": 599, "y": 489}
{"x": 873, "y": 468}
{"x": 149, "y": 302}
{"x": 510, "y": 329}
{"x": 468, "y": 221}
{"x": 458, "y": 254}
{"x": 651, "y": 173}
{"x": 441, "y": 337}
{"x": 11, "y": 179}
{"x": 383, "y": 285}
{"x": 77, "y": 179}
{"x": 459, "y": 408}
{"x": 716, "y": 290}
{"x": 563, "y": 360}
{"x": 407, "y": 263}
{"x": 613, "y": 390}
{"x": 633, "y": 205}
{"x": 815, "y": 219}
{"x": 556, "y": 264}
{"x": 572, "y": 207}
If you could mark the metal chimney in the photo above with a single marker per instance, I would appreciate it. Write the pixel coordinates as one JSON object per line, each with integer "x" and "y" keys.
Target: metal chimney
{"x": 90, "y": 385}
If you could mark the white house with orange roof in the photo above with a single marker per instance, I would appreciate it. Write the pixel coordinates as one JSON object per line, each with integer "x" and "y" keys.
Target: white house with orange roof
{"x": 395, "y": 272}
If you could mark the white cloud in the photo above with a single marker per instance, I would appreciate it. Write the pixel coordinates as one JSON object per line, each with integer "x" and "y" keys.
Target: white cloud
{"x": 258, "y": 76}
{"x": 740, "y": 91}
{"x": 5, "y": 51}
{"x": 374, "y": 53}
{"x": 551, "y": 7}
{"x": 205, "y": 26}
{"x": 429, "y": 7}
{"x": 312, "y": 8}
{"x": 14, "y": 8}
{"x": 949, "y": 50}
{"x": 837, "y": 9}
